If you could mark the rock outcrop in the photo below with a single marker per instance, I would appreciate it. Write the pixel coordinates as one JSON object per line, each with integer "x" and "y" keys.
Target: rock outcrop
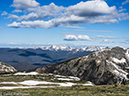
{"x": 5, "y": 68}
{"x": 101, "y": 67}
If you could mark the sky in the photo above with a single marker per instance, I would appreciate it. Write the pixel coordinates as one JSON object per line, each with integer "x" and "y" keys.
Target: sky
{"x": 29, "y": 23}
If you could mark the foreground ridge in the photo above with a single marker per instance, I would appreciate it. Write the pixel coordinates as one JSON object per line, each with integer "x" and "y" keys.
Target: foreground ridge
{"x": 102, "y": 67}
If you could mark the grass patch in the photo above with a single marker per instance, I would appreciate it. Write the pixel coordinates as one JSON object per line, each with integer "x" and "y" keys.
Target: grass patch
{"x": 2, "y": 85}
{"x": 47, "y": 85}
{"x": 104, "y": 90}
{"x": 76, "y": 90}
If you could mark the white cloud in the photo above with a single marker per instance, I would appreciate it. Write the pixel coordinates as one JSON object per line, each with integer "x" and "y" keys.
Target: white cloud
{"x": 14, "y": 25}
{"x": 41, "y": 12}
{"x": 24, "y": 4}
{"x": 48, "y": 24}
{"x": 121, "y": 9}
{"x": 84, "y": 37}
{"x": 30, "y": 24}
{"x": 4, "y": 13}
{"x": 125, "y": 2}
{"x": 95, "y": 11}
{"x": 15, "y": 17}
{"x": 17, "y": 11}
{"x": 0, "y": 27}
{"x": 77, "y": 38}
{"x": 90, "y": 8}
{"x": 70, "y": 38}
{"x": 106, "y": 37}
{"x": 107, "y": 41}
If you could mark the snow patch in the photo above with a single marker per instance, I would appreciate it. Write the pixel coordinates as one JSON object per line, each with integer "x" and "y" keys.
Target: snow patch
{"x": 123, "y": 60}
{"x": 33, "y": 83}
{"x": 119, "y": 72}
{"x": 127, "y": 54}
{"x": 24, "y": 73}
{"x": 8, "y": 83}
{"x": 98, "y": 61}
{"x": 6, "y": 68}
{"x": 58, "y": 76}
{"x": 75, "y": 78}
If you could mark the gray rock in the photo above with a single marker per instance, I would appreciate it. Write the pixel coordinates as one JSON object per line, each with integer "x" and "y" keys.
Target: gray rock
{"x": 101, "y": 67}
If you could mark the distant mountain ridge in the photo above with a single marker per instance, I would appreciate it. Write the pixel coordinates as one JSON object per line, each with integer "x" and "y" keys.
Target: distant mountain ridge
{"x": 101, "y": 67}
{"x": 39, "y": 56}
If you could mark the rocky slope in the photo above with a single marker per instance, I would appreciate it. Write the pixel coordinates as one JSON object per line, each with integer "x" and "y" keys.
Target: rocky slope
{"x": 101, "y": 67}
{"x": 5, "y": 68}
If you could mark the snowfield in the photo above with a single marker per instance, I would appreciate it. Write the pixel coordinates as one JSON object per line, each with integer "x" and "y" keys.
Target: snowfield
{"x": 42, "y": 84}
{"x": 34, "y": 84}
{"x": 117, "y": 71}
{"x": 123, "y": 60}
{"x": 24, "y": 73}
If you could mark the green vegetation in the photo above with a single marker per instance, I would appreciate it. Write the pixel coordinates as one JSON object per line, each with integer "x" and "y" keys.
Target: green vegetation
{"x": 43, "y": 77}
{"x": 104, "y": 90}
{"x": 76, "y": 90}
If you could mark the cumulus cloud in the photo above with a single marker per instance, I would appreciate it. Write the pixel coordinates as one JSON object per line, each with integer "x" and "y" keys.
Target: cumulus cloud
{"x": 40, "y": 12}
{"x": 48, "y": 24}
{"x": 90, "y": 8}
{"x": 14, "y": 25}
{"x": 13, "y": 16}
{"x": 84, "y": 37}
{"x": 70, "y": 38}
{"x": 4, "y": 13}
{"x": 77, "y": 38}
{"x": 95, "y": 11}
{"x": 125, "y": 2}
{"x": 107, "y": 41}
{"x": 30, "y": 24}
{"x": 24, "y": 4}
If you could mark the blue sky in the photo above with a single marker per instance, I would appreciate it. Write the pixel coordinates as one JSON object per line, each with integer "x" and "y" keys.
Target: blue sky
{"x": 28, "y": 23}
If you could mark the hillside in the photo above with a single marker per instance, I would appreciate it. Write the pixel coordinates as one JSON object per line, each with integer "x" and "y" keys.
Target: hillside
{"x": 5, "y": 68}
{"x": 101, "y": 67}
{"x": 23, "y": 66}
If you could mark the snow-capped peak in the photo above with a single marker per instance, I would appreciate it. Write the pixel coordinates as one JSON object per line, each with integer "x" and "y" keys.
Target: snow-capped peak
{"x": 66, "y": 48}
{"x": 92, "y": 48}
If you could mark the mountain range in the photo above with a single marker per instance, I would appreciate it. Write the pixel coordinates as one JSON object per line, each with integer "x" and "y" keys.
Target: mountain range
{"x": 24, "y": 59}
{"x": 104, "y": 66}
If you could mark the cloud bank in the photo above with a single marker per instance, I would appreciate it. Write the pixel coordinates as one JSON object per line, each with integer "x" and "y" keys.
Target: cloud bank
{"x": 95, "y": 11}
